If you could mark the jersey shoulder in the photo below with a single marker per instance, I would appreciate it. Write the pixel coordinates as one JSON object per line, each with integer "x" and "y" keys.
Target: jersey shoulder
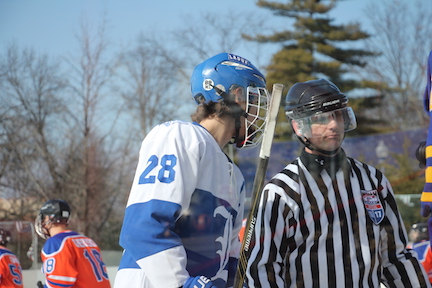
{"x": 181, "y": 134}
{"x": 56, "y": 243}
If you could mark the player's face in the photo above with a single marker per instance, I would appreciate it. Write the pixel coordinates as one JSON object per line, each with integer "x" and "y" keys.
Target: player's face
{"x": 46, "y": 224}
{"x": 251, "y": 110}
{"x": 326, "y": 131}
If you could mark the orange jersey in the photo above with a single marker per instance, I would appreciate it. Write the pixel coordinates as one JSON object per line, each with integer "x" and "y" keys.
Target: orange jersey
{"x": 424, "y": 254}
{"x": 242, "y": 229}
{"x": 10, "y": 270}
{"x": 73, "y": 260}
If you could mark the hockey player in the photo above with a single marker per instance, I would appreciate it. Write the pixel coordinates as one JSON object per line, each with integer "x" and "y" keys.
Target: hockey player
{"x": 328, "y": 220}
{"x": 185, "y": 208}
{"x": 419, "y": 242}
{"x": 69, "y": 259}
{"x": 10, "y": 267}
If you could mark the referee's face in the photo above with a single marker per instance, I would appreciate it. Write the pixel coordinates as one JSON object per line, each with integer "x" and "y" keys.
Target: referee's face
{"x": 326, "y": 131}
{"x": 328, "y": 135}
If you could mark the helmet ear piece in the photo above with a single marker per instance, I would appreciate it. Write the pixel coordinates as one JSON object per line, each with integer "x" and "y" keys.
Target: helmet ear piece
{"x": 298, "y": 127}
{"x": 199, "y": 99}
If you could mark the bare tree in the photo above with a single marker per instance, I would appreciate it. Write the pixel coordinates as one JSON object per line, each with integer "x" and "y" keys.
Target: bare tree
{"x": 94, "y": 153}
{"x": 32, "y": 157}
{"x": 57, "y": 139}
{"x": 152, "y": 84}
{"x": 402, "y": 37}
{"x": 30, "y": 88}
{"x": 219, "y": 33}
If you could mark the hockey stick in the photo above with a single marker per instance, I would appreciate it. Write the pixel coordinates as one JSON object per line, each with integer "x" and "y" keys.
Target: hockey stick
{"x": 259, "y": 181}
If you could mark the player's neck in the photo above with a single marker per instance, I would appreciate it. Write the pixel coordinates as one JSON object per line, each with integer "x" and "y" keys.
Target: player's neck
{"x": 56, "y": 229}
{"x": 220, "y": 128}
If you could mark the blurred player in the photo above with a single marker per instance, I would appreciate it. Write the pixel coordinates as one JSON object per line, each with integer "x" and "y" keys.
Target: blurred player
{"x": 186, "y": 204}
{"x": 69, "y": 259}
{"x": 419, "y": 238}
{"x": 10, "y": 267}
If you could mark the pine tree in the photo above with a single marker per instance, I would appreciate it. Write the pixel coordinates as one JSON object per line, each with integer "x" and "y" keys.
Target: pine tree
{"x": 314, "y": 47}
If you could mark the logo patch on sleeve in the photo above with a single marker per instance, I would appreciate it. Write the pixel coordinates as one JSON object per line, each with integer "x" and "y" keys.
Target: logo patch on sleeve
{"x": 373, "y": 205}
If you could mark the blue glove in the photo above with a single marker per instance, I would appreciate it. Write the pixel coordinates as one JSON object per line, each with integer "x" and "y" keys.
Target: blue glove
{"x": 430, "y": 230}
{"x": 198, "y": 282}
{"x": 426, "y": 209}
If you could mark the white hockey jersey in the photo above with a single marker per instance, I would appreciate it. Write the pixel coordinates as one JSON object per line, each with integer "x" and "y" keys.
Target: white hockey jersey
{"x": 184, "y": 212}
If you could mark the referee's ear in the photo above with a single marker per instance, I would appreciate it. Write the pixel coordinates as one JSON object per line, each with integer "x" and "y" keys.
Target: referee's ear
{"x": 297, "y": 127}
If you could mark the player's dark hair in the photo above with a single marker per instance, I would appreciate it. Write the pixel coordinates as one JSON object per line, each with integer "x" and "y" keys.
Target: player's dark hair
{"x": 205, "y": 110}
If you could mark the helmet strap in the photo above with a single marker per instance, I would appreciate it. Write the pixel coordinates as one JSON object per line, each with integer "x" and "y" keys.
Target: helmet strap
{"x": 305, "y": 141}
{"x": 309, "y": 145}
{"x": 237, "y": 113}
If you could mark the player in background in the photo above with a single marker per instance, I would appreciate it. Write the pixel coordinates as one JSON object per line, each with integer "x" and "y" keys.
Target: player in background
{"x": 328, "y": 220}
{"x": 185, "y": 208}
{"x": 426, "y": 197}
{"x": 419, "y": 242}
{"x": 69, "y": 259}
{"x": 10, "y": 267}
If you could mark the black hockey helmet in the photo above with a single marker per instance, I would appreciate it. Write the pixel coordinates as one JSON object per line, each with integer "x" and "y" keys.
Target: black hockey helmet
{"x": 313, "y": 97}
{"x": 5, "y": 237}
{"x": 315, "y": 102}
{"x": 418, "y": 232}
{"x": 58, "y": 212}
{"x": 316, "y": 97}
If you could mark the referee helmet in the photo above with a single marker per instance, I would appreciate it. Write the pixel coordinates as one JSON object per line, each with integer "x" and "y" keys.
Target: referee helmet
{"x": 317, "y": 97}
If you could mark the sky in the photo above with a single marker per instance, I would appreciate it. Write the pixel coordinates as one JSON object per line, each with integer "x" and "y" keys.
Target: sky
{"x": 51, "y": 26}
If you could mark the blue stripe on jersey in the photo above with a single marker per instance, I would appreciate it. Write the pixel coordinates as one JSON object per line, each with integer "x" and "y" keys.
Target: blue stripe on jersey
{"x": 204, "y": 229}
{"x": 148, "y": 228}
{"x": 5, "y": 252}
{"x": 54, "y": 243}
{"x": 55, "y": 284}
{"x": 146, "y": 222}
{"x": 127, "y": 261}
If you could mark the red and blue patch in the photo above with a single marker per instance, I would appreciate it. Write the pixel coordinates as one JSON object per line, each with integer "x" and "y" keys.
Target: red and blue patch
{"x": 373, "y": 205}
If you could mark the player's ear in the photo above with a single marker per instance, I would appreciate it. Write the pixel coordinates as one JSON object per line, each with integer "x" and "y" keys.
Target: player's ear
{"x": 239, "y": 96}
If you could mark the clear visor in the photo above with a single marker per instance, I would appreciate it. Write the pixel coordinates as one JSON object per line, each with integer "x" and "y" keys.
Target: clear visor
{"x": 257, "y": 103}
{"x": 344, "y": 117}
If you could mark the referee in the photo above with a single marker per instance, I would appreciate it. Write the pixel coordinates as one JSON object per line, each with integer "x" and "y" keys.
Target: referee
{"x": 328, "y": 220}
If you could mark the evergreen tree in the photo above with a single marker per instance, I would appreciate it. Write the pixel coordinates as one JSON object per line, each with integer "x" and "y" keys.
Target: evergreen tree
{"x": 314, "y": 47}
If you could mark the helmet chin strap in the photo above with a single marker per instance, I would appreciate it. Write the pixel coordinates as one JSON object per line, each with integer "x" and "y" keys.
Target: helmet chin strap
{"x": 309, "y": 145}
{"x": 237, "y": 113}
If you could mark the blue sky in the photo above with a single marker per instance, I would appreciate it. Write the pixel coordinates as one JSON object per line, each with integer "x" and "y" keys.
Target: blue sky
{"x": 51, "y": 26}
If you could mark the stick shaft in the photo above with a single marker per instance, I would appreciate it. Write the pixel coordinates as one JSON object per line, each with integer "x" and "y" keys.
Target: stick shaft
{"x": 258, "y": 185}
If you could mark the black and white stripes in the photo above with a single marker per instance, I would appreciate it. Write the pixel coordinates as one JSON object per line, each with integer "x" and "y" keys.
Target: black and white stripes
{"x": 324, "y": 227}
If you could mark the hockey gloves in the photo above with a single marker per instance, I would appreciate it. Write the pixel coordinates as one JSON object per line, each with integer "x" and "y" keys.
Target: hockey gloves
{"x": 198, "y": 282}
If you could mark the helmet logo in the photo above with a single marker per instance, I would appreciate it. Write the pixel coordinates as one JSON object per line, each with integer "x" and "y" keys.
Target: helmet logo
{"x": 331, "y": 102}
{"x": 208, "y": 84}
{"x": 239, "y": 59}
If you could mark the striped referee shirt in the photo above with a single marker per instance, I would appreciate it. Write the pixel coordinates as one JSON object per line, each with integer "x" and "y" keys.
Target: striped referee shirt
{"x": 323, "y": 223}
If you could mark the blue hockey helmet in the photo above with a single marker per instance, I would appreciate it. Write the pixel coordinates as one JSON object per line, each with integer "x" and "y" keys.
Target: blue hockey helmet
{"x": 220, "y": 78}
{"x": 223, "y": 71}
